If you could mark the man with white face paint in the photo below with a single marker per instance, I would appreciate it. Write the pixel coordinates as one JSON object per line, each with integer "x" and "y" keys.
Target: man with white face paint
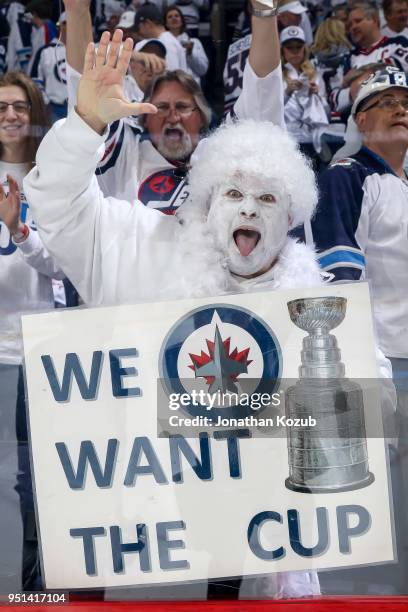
{"x": 248, "y": 224}
{"x": 232, "y": 236}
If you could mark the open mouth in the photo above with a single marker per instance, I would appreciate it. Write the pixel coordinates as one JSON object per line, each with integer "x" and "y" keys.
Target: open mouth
{"x": 173, "y": 133}
{"x": 246, "y": 240}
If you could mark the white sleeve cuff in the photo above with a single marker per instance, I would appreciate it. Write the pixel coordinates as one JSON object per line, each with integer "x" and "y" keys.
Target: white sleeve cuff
{"x": 30, "y": 244}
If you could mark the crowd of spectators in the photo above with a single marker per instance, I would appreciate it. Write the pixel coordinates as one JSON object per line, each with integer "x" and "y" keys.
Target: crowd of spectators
{"x": 330, "y": 49}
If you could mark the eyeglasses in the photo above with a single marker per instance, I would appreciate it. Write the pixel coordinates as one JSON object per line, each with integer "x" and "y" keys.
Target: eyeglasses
{"x": 389, "y": 104}
{"x": 182, "y": 109}
{"x": 20, "y": 108}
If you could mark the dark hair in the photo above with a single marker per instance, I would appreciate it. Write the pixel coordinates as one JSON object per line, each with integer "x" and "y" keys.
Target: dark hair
{"x": 189, "y": 84}
{"x": 39, "y": 119}
{"x": 148, "y": 12}
{"x": 42, "y": 8}
{"x": 174, "y": 8}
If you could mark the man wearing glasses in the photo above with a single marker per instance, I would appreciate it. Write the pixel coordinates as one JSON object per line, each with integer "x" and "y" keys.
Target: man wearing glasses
{"x": 360, "y": 229}
{"x": 361, "y": 232}
{"x": 151, "y": 166}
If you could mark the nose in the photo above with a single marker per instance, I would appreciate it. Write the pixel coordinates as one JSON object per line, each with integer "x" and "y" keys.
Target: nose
{"x": 400, "y": 110}
{"x": 10, "y": 113}
{"x": 174, "y": 115}
{"x": 249, "y": 209}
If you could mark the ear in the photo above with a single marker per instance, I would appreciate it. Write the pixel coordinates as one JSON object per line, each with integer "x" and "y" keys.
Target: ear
{"x": 360, "y": 120}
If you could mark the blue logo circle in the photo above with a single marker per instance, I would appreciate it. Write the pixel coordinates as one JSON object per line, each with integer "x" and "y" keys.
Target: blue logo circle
{"x": 216, "y": 363}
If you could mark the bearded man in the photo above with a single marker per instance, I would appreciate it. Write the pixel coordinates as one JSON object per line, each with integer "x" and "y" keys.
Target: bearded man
{"x": 150, "y": 164}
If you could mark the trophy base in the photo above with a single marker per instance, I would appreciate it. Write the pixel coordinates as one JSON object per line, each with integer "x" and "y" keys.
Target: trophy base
{"x": 301, "y": 488}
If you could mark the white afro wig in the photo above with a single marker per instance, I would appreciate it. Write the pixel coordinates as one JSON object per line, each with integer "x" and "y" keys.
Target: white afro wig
{"x": 253, "y": 148}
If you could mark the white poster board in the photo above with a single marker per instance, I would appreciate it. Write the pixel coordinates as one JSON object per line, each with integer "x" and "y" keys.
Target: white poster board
{"x": 117, "y": 505}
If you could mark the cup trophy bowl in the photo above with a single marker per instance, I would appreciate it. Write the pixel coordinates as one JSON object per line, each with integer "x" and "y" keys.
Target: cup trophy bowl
{"x": 331, "y": 456}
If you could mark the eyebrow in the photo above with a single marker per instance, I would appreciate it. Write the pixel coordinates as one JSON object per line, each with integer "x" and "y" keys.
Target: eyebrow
{"x": 185, "y": 101}
{"x": 395, "y": 97}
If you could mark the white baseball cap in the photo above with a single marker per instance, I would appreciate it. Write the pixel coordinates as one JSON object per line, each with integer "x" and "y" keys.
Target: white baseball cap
{"x": 292, "y": 7}
{"x": 381, "y": 80}
{"x": 127, "y": 20}
{"x": 292, "y": 33}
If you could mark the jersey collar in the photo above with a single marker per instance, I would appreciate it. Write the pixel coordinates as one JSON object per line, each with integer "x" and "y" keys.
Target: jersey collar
{"x": 369, "y": 158}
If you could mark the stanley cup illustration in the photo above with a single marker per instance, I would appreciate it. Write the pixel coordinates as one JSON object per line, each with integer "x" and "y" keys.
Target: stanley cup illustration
{"x": 332, "y": 455}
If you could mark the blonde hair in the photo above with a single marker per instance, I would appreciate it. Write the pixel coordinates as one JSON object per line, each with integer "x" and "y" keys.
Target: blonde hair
{"x": 330, "y": 33}
{"x": 306, "y": 66}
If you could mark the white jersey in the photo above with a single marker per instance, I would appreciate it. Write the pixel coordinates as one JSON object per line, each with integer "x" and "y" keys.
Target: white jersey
{"x": 49, "y": 72}
{"x": 25, "y": 40}
{"x": 132, "y": 169}
{"x": 25, "y": 275}
{"x": 386, "y": 31}
{"x": 392, "y": 51}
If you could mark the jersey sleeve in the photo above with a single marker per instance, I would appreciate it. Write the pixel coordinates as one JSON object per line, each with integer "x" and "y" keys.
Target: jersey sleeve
{"x": 337, "y": 226}
{"x": 261, "y": 97}
{"x": 36, "y": 255}
{"x": 37, "y": 73}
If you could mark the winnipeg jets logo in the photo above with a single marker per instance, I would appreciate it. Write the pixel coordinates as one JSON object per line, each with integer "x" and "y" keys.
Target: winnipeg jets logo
{"x": 220, "y": 349}
{"x": 165, "y": 190}
{"x": 219, "y": 367}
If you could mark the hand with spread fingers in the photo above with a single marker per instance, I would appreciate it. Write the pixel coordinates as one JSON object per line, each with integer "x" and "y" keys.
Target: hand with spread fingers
{"x": 10, "y": 207}
{"x": 101, "y": 99}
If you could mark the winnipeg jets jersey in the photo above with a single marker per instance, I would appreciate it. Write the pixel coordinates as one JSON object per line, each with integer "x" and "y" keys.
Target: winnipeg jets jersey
{"x": 393, "y": 51}
{"x": 237, "y": 56}
{"x": 361, "y": 232}
{"x": 49, "y": 72}
{"x": 25, "y": 282}
{"x": 132, "y": 169}
{"x": 25, "y": 40}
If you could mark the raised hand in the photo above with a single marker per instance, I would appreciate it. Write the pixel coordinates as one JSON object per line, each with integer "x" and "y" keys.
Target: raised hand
{"x": 101, "y": 98}
{"x": 10, "y": 206}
